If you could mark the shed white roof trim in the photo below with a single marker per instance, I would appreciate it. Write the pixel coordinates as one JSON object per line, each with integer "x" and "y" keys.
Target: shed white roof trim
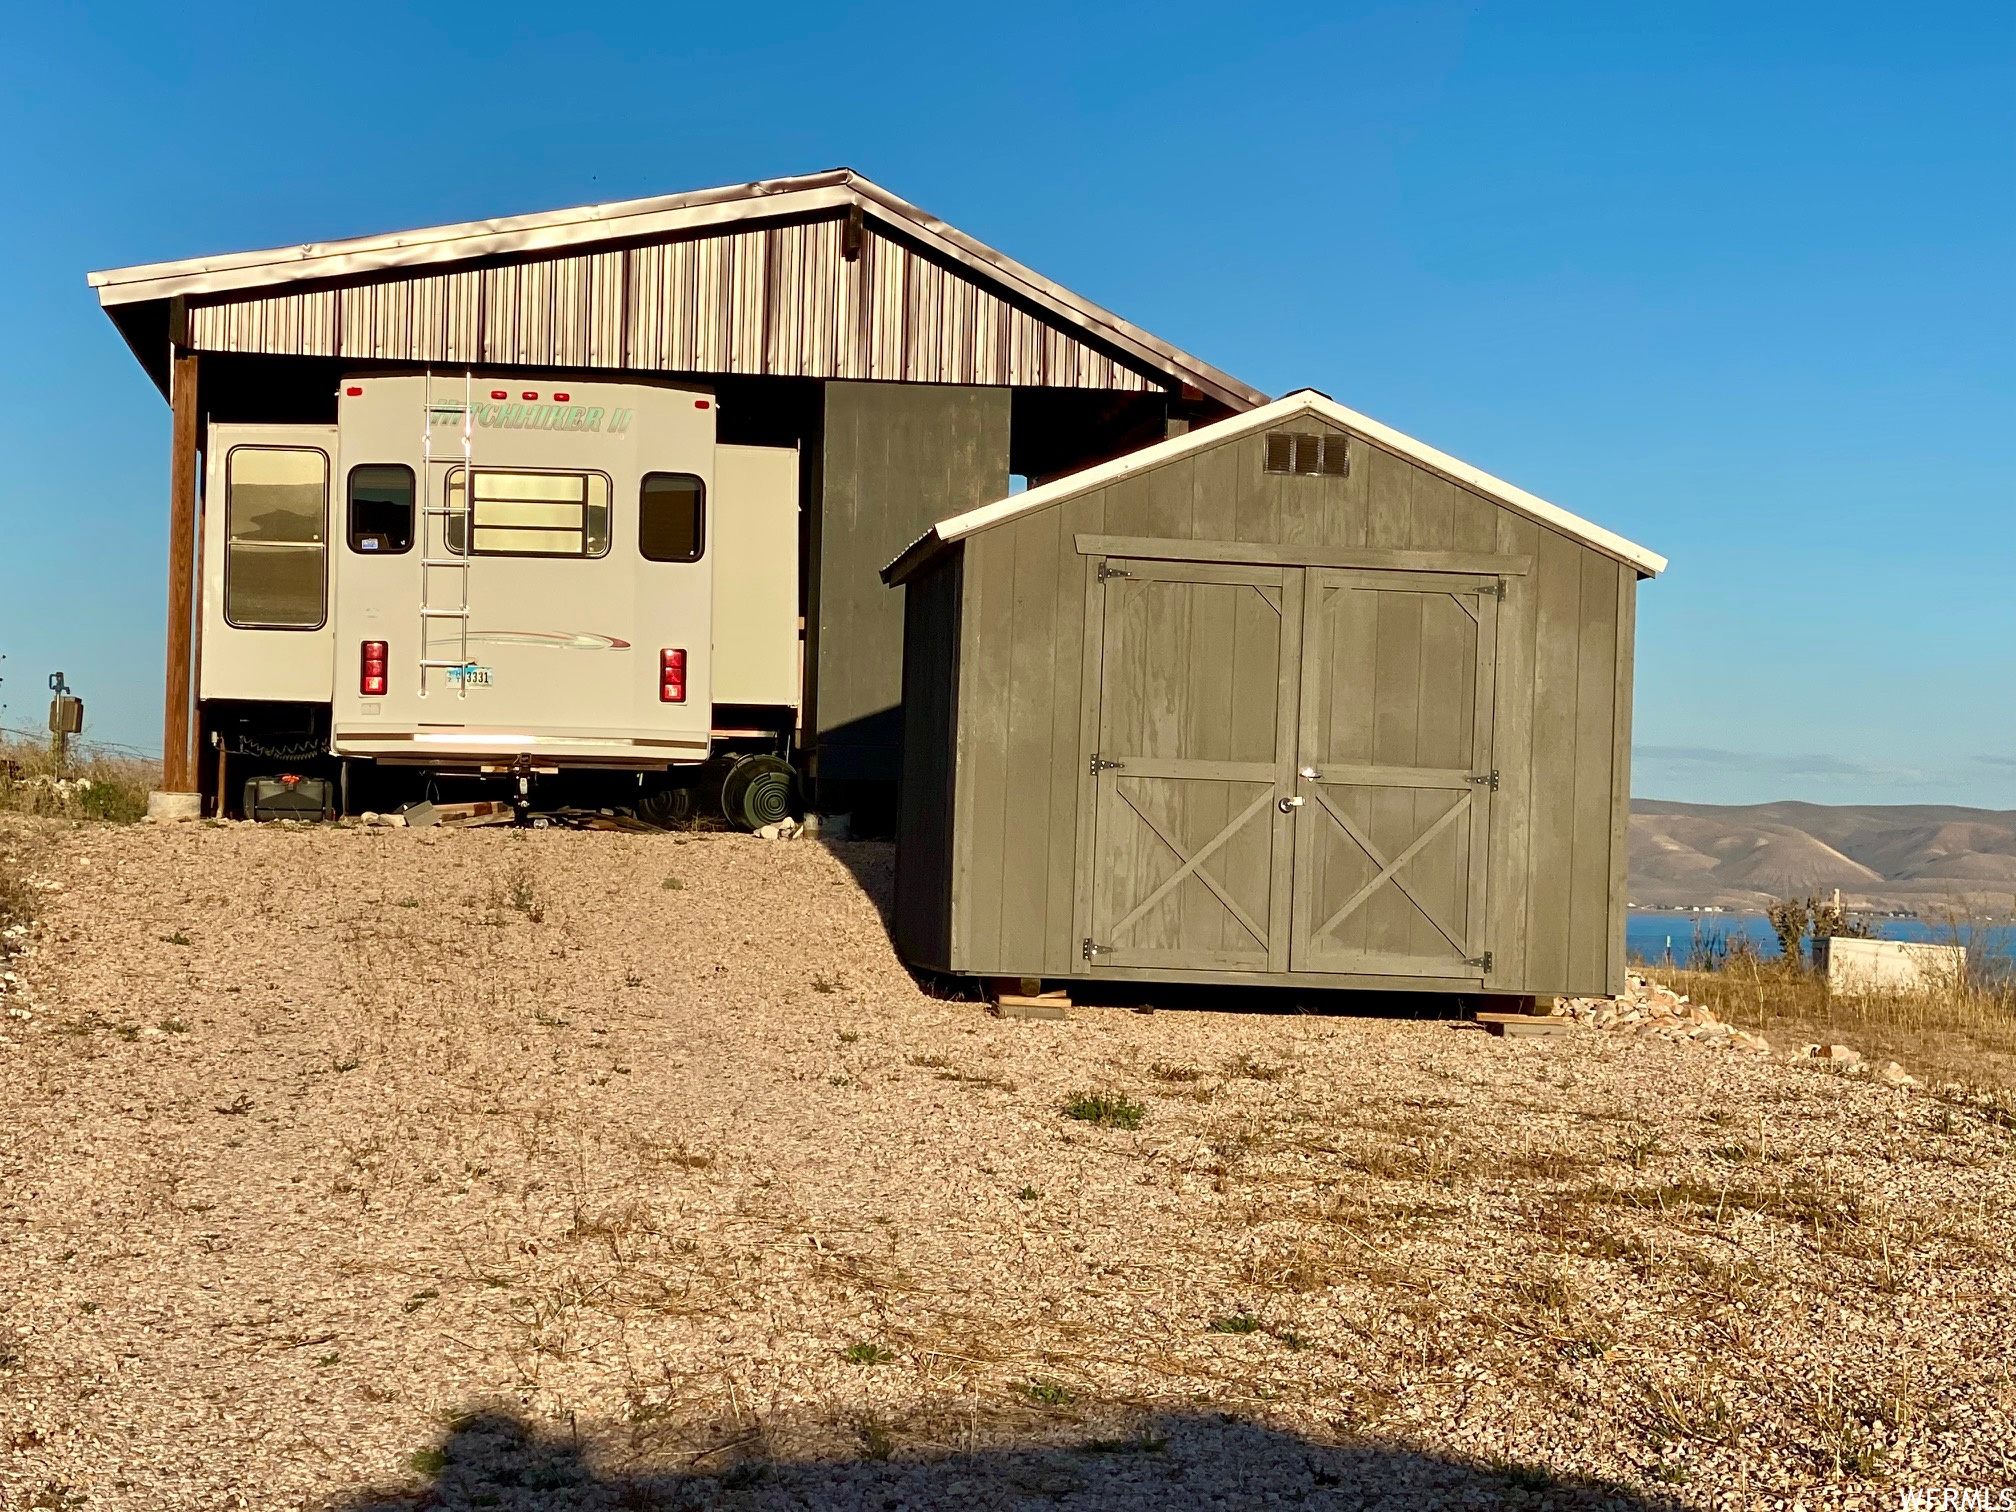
{"x": 659, "y": 216}
{"x": 1303, "y": 401}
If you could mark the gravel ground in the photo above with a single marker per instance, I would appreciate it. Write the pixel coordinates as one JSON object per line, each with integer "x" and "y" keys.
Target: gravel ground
{"x": 361, "y": 1168}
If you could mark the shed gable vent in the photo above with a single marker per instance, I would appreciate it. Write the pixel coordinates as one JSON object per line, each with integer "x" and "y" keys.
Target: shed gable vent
{"x": 1308, "y": 454}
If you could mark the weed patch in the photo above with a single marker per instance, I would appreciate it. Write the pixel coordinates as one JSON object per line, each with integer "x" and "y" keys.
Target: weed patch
{"x": 1141, "y": 1443}
{"x": 1694, "y": 1410}
{"x": 1109, "y": 1110}
{"x": 1048, "y": 1393}
{"x": 427, "y": 1461}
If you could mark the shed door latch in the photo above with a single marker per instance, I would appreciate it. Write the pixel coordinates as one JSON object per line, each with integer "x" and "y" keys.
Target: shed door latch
{"x": 1107, "y": 570}
{"x": 1089, "y": 950}
{"x": 1101, "y": 764}
{"x": 1483, "y": 961}
{"x": 1487, "y": 779}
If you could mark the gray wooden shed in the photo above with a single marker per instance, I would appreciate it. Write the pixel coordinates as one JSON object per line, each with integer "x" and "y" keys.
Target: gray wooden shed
{"x": 1291, "y": 699}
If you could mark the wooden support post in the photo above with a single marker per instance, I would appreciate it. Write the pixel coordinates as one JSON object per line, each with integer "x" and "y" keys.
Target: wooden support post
{"x": 1024, "y": 998}
{"x": 178, "y": 745}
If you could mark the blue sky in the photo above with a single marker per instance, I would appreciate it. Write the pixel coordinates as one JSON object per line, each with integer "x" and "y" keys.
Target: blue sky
{"x": 1731, "y": 279}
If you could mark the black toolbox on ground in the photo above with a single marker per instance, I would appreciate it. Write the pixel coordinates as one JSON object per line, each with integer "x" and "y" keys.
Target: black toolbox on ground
{"x": 312, "y": 799}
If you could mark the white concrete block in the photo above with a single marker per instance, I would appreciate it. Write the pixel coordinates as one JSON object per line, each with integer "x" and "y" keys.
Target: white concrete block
{"x": 1890, "y": 965}
{"x": 169, "y": 807}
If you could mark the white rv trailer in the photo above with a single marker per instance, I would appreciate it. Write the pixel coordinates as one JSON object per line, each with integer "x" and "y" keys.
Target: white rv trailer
{"x": 509, "y": 577}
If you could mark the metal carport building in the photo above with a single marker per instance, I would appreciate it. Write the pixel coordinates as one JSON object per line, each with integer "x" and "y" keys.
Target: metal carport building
{"x": 915, "y": 369}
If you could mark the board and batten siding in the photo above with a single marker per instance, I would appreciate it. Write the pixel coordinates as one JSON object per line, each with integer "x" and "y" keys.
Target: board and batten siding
{"x": 896, "y": 459}
{"x": 1555, "y": 890}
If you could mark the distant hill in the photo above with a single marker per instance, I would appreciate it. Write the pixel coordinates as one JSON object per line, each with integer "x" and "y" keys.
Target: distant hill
{"x": 1906, "y": 856}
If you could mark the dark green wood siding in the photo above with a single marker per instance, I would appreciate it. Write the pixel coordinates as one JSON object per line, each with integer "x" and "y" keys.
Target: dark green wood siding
{"x": 898, "y": 457}
{"x": 1554, "y": 894}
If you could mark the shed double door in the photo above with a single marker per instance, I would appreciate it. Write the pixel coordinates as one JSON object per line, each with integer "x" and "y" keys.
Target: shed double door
{"x": 1290, "y": 769}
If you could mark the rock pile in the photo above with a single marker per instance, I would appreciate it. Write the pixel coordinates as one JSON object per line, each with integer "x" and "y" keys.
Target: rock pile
{"x": 1652, "y": 1011}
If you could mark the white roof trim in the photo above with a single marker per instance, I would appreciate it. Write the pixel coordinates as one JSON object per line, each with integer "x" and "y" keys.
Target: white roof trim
{"x": 645, "y": 218}
{"x": 1303, "y": 401}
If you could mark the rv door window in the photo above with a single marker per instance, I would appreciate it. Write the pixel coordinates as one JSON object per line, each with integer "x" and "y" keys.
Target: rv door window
{"x": 381, "y": 508}
{"x": 519, "y": 513}
{"x": 276, "y": 507}
{"x": 671, "y": 517}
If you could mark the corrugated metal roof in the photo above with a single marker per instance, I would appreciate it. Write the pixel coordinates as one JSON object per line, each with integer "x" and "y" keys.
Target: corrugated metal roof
{"x": 1301, "y": 402}
{"x": 695, "y": 287}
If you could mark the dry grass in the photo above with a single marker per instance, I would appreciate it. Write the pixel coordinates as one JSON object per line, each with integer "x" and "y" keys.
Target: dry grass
{"x": 566, "y": 1148}
{"x": 93, "y": 784}
{"x": 18, "y": 898}
{"x": 1963, "y": 1033}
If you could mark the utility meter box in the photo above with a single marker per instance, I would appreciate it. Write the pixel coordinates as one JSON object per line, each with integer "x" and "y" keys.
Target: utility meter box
{"x": 66, "y": 715}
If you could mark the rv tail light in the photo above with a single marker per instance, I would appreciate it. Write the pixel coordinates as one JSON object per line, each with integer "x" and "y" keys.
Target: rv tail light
{"x": 499, "y": 394}
{"x": 672, "y": 676}
{"x": 703, "y": 404}
{"x": 561, "y": 398}
{"x": 528, "y": 394}
{"x": 353, "y": 392}
{"x": 371, "y": 679}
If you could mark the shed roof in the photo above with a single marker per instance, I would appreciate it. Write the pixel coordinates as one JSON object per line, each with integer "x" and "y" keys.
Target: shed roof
{"x": 838, "y": 191}
{"x": 1289, "y": 407}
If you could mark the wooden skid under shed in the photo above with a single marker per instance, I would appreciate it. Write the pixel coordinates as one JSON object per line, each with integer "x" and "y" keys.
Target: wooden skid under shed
{"x": 1523, "y": 1025}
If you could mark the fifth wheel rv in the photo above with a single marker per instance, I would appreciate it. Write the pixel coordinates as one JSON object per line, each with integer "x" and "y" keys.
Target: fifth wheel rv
{"x": 477, "y": 578}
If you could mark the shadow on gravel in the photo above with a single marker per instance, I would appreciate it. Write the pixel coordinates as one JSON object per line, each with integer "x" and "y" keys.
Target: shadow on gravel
{"x": 1199, "y": 998}
{"x": 1170, "y": 1464}
{"x": 872, "y": 864}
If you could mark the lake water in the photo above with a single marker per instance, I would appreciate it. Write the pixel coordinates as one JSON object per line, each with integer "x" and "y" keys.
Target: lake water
{"x": 1646, "y": 933}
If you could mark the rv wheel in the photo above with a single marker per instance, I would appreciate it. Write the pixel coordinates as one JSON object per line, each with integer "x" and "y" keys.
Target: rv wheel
{"x": 758, "y": 790}
{"x": 666, "y": 807}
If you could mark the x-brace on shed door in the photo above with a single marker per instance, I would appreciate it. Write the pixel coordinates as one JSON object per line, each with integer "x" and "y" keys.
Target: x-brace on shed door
{"x": 1289, "y": 769}
{"x": 1194, "y": 732}
{"x": 1394, "y": 773}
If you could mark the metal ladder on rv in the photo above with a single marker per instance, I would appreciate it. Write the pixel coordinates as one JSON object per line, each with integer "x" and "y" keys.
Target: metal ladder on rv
{"x": 434, "y": 603}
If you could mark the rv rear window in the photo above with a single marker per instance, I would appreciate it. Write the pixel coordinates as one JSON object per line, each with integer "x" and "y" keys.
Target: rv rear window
{"x": 276, "y": 508}
{"x": 381, "y": 508}
{"x": 671, "y": 517}
{"x": 523, "y": 513}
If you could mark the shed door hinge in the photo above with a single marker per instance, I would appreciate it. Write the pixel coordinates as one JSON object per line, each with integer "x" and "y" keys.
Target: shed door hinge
{"x": 1101, "y": 764}
{"x": 1089, "y": 950}
{"x": 1483, "y": 961}
{"x": 1106, "y": 570}
{"x": 1487, "y": 779}
{"x": 1497, "y": 590}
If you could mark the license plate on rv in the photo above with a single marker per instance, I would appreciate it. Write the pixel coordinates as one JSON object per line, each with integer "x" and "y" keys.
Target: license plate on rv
{"x": 470, "y": 676}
